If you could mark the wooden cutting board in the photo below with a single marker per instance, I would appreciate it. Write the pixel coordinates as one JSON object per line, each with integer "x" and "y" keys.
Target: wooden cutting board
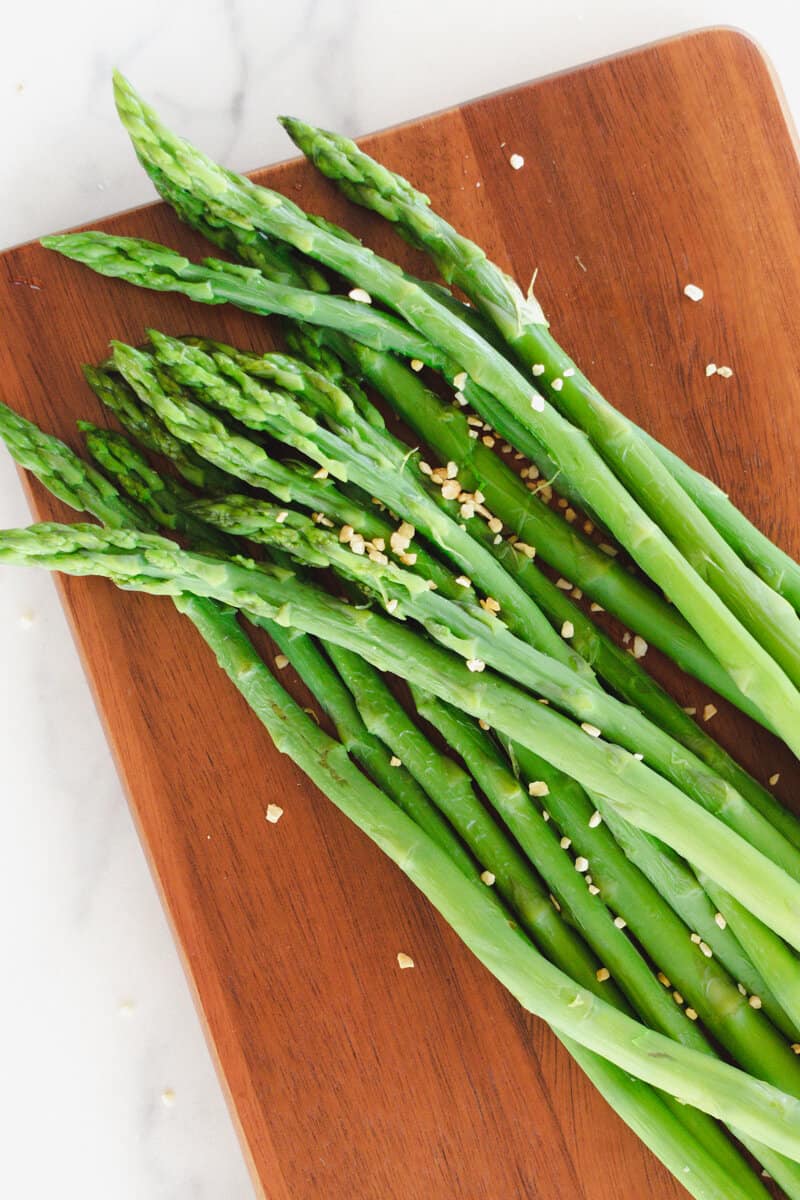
{"x": 347, "y": 1077}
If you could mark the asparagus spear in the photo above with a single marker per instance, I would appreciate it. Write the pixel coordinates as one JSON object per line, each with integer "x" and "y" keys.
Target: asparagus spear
{"x": 650, "y": 476}
{"x": 213, "y": 281}
{"x": 445, "y": 429}
{"x": 777, "y": 963}
{"x": 228, "y": 195}
{"x": 694, "y": 903}
{"x": 76, "y": 483}
{"x": 769, "y": 562}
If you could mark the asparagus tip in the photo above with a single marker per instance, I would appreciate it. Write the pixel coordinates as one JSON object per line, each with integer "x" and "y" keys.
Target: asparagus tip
{"x": 122, "y": 86}
{"x": 91, "y": 373}
{"x": 301, "y": 133}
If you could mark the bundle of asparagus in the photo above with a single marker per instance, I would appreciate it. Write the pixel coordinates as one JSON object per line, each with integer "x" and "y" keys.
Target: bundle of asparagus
{"x": 604, "y": 857}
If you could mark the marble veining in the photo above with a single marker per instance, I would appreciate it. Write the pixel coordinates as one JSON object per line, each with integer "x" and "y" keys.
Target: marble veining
{"x": 108, "y": 1086}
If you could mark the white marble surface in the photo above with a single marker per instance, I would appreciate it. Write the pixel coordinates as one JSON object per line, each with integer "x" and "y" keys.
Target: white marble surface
{"x": 98, "y": 1029}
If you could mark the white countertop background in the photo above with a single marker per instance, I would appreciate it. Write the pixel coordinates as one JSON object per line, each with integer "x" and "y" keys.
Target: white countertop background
{"x": 106, "y": 1085}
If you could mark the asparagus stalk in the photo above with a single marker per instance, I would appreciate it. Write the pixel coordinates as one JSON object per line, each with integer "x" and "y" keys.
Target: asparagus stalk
{"x": 228, "y": 195}
{"x": 483, "y": 636}
{"x": 777, "y": 963}
{"x": 296, "y": 734}
{"x": 152, "y": 564}
{"x": 679, "y": 885}
{"x": 769, "y": 562}
{"x": 652, "y": 480}
{"x": 445, "y": 429}
{"x": 213, "y": 281}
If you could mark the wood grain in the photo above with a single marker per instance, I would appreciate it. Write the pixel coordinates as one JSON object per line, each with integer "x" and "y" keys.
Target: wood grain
{"x": 348, "y": 1078}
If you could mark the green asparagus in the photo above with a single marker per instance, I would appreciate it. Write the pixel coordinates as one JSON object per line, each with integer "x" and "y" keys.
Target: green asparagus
{"x": 85, "y": 487}
{"x": 692, "y": 901}
{"x": 775, "y": 960}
